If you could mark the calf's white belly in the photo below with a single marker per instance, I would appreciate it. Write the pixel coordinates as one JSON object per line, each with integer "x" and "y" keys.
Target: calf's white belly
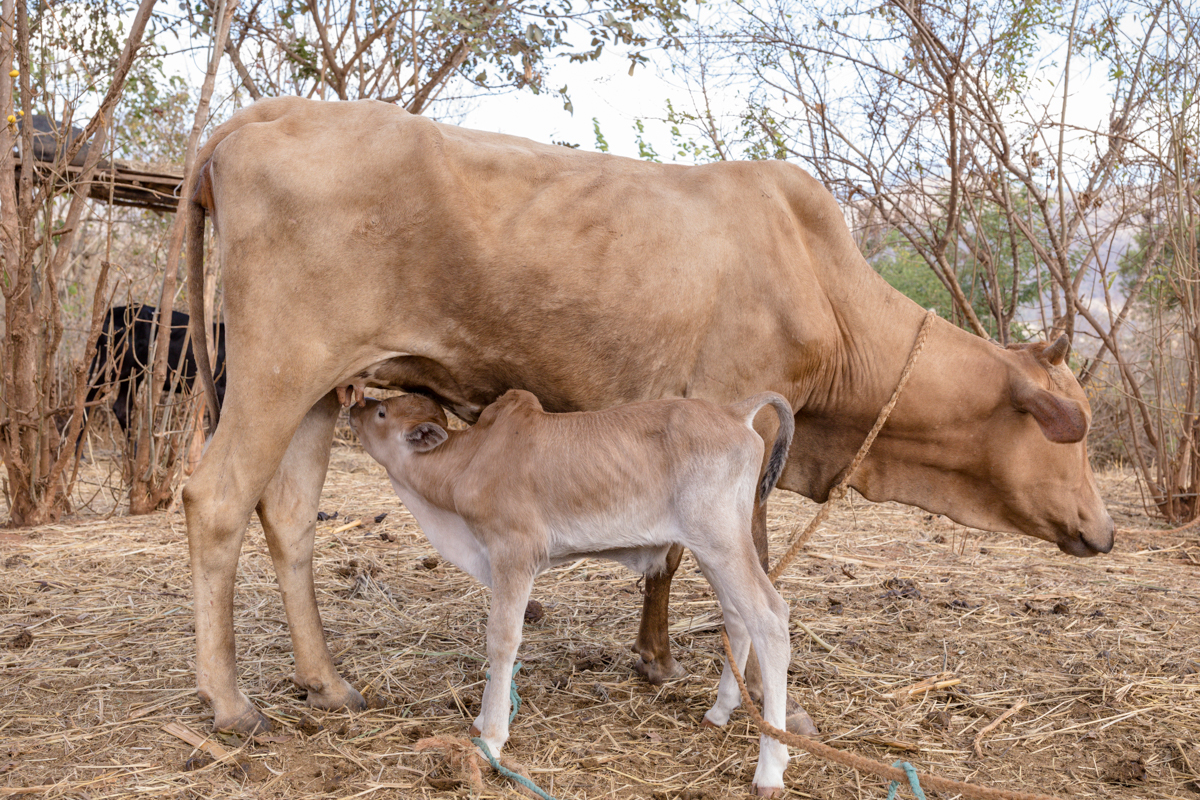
{"x": 640, "y": 544}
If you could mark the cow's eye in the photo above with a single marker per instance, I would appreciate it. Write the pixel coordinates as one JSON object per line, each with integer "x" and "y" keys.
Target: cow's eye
{"x": 381, "y": 414}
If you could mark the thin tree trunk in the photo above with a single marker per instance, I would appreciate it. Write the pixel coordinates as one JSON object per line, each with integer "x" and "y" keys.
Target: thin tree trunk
{"x": 32, "y": 315}
{"x": 150, "y": 484}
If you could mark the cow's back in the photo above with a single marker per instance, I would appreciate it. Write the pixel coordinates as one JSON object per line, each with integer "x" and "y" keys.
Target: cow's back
{"x": 587, "y": 279}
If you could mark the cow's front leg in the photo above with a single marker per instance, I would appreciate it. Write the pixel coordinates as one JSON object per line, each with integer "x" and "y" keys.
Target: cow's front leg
{"x": 288, "y": 510}
{"x": 511, "y": 585}
{"x": 653, "y": 641}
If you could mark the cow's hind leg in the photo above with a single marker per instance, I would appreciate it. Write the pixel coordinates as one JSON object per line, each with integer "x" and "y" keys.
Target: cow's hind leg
{"x": 241, "y": 458}
{"x": 653, "y": 642}
{"x": 288, "y": 510}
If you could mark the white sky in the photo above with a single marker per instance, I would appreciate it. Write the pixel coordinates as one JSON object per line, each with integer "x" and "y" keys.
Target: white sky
{"x": 603, "y": 90}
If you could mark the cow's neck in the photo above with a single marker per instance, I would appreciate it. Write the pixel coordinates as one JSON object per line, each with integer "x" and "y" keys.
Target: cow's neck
{"x": 956, "y": 383}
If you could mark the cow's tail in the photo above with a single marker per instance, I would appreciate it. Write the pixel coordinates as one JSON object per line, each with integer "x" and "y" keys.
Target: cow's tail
{"x": 202, "y": 199}
{"x": 195, "y": 259}
{"x": 745, "y": 411}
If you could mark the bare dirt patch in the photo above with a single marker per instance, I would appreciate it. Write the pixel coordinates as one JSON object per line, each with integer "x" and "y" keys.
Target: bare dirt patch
{"x": 936, "y": 632}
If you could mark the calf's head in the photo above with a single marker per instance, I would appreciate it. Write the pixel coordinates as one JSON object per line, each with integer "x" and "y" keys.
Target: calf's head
{"x": 393, "y": 429}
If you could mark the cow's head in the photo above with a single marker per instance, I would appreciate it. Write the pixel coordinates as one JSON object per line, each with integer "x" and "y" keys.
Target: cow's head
{"x": 392, "y": 430}
{"x": 1053, "y": 491}
{"x": 997, "y": 443}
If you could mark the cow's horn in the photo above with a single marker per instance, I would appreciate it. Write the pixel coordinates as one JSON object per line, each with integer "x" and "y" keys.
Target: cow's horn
{"x": 1057, "y": 353}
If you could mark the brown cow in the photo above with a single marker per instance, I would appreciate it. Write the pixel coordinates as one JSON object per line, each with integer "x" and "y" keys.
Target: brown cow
{"x": 465, "y": 264}
{"x": 523, "y": 491}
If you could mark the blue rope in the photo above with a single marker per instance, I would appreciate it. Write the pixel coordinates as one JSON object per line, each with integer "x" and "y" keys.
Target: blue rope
{"x": 512, "y": 694}
{"x": 495, "y": 762}
{"x": 913, "y": 783}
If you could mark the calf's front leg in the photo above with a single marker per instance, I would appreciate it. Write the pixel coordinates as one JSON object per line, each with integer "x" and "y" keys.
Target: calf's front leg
{"x": 511, "y": 585}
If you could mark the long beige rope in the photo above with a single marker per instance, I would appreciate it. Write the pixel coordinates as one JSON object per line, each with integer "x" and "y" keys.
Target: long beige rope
{"x": 1187, "y": 526}
{"x": 839, "y": 491}
{"x": 863, "y": 763}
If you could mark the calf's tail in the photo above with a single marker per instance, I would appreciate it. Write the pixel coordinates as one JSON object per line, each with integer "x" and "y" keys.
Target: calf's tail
{"x": 745, "y": 410}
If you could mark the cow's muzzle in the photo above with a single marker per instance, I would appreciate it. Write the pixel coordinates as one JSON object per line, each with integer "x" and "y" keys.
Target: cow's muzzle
{"x": 1090, "y": 540}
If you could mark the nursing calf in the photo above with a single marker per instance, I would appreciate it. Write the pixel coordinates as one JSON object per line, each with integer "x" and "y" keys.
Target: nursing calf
{"x": 523, "y": 491}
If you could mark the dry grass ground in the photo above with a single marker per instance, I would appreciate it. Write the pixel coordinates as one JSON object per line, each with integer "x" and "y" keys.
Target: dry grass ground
{"x": 1101, "y": 659}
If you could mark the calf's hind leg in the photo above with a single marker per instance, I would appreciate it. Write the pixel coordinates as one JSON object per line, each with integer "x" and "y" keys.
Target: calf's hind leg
{"x": 288, "y": 510}
{"x": 653, "y": 642}
{"x": 798, "y": 720}
{"x": 754, "y": 613}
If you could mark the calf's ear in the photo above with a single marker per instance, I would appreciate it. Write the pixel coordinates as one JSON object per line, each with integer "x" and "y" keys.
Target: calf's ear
{"x": 426, "y": 436}
{"x": 1061, "y": 419}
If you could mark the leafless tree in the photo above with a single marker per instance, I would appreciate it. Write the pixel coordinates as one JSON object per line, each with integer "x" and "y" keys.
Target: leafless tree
{"x": 980, "y": 141}
{"x": 35, "y": 251}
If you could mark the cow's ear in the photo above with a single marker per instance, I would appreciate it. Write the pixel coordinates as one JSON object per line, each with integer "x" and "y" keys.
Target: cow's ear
{"x": 1056, "y": 353}
{"x": 426, "y": 436}
{"x": 1061, "y": 419}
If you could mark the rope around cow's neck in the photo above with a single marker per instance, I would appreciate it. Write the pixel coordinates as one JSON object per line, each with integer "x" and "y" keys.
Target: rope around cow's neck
{"x": 863, "y": 763}
{"x": 839, "y": 491}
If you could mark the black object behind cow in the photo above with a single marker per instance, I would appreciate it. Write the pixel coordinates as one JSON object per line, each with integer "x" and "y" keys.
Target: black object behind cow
{"x": 51, "y": 144}
{"x": 123, "y": 357}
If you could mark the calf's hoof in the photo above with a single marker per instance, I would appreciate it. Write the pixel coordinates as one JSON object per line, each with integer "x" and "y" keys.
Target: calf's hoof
{"x": 768, "y": 791}
{"x": 657, "y": 671}
{"x": 250, "y": 722}
{"x": 708, "y": 723}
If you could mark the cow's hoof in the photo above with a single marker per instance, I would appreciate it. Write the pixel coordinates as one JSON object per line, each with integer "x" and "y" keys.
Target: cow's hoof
{"x": 659, "y": 672}
{"x": 768, "y": 791}
{"x": 250, "y": 722}
{"x": 708, "y": 723}
{"x": 474, "y": 731}
{"x": 799, "y": 722}
{"x": 336, "y": 697}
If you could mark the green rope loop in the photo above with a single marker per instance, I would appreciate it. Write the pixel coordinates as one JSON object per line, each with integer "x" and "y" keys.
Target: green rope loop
{"x": 512, "y": 694}
{"x": 495, "y": 762}
{"x": 913, "y": 783}
{"x": 508, "y": 773}
{"x": 513, "y": 697}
